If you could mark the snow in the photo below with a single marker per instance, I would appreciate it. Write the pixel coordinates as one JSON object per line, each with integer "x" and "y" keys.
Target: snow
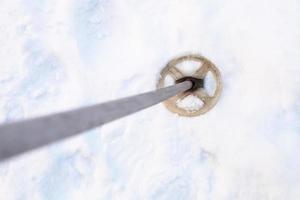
{"x": 188, "y": 68}
{"x": 210, "y": 84}
{"x": 61, "y": 54}
{"x": 190, "y": 103}
{"x": 169, "y": 81}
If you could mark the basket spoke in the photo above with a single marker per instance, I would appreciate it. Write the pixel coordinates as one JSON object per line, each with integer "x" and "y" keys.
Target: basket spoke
{"x": 203, "y": 70}
{"x": 175, "y": 73}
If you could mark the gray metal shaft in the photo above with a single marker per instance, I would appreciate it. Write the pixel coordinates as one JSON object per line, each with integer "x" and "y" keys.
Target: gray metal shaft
{"x": 23, "y": 136}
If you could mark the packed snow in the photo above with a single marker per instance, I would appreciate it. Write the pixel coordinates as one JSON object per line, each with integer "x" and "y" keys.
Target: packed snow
{"x": 62, "y": 54}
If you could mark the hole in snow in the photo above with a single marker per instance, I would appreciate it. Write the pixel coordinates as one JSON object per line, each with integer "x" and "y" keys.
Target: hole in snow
{"x": 188, "y": 67}
{"x": 210, "y": 84}
{"x": 190, "y": 103}
{"x": 169, "y": 81}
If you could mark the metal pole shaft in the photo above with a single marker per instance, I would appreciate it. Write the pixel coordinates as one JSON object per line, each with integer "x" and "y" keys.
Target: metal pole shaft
{"x": 23, "y": 136}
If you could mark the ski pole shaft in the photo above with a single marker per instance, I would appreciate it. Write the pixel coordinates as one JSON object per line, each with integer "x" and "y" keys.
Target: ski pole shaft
{"x": 19, "y": 137}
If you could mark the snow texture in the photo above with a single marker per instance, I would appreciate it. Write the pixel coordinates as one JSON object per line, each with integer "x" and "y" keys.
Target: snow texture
{"x": 61, "y": 54}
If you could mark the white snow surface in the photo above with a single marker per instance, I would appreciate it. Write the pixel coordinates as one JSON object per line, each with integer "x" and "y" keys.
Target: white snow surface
{"x": 190, "y": 103}
{"x": 61, "y": 54}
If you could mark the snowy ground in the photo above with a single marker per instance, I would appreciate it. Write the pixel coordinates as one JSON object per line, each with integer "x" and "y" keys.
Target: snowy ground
{"x": 60, "y": 54}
